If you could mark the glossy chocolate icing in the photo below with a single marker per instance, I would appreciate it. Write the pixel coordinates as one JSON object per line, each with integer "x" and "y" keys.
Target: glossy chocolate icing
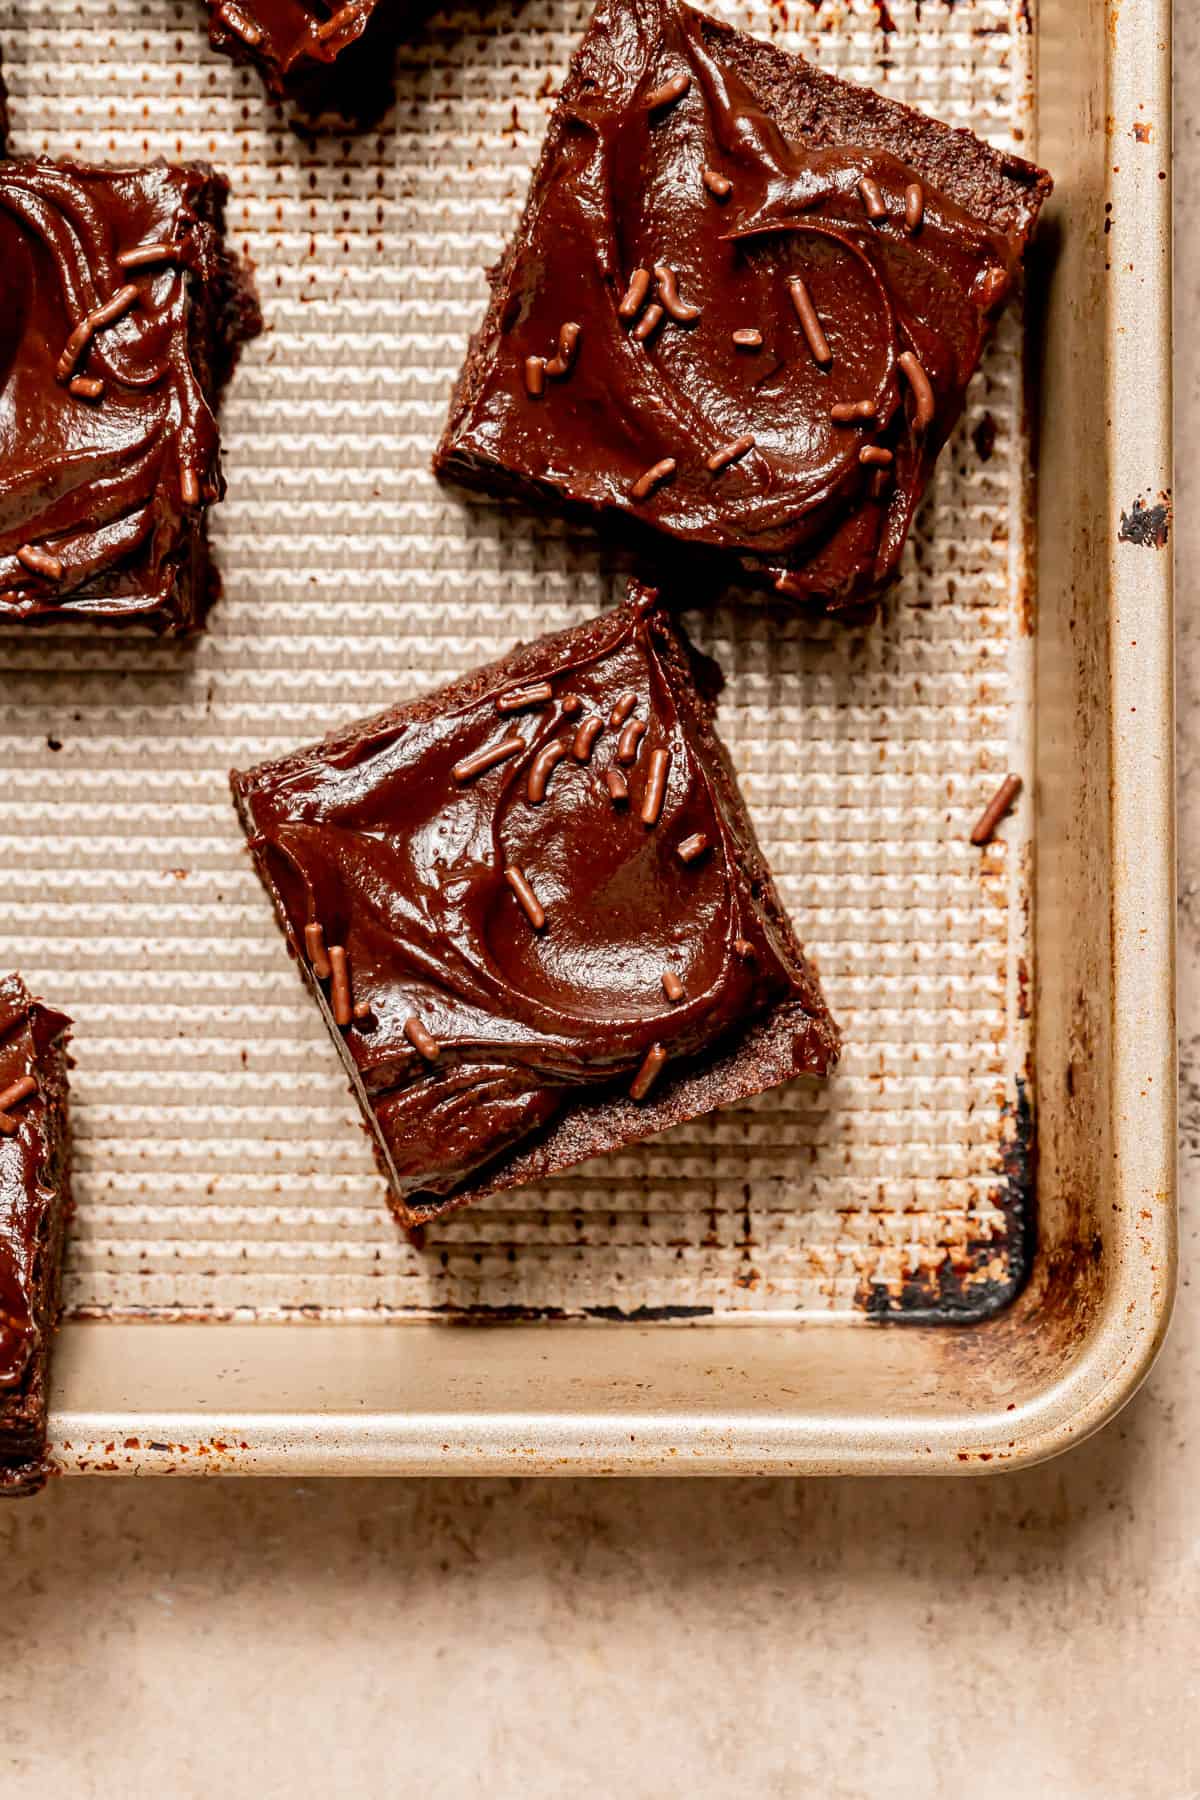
{"x": 374, "y": 837}
{"x": 294, "y": 42}
{"x": 29, "y": 1174}
{"x": 626, "y": 183}
{"x": 110, "y": 487}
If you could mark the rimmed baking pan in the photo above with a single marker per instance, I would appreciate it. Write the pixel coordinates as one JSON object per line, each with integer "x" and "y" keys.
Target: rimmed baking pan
{"x": 958, "y": 1256}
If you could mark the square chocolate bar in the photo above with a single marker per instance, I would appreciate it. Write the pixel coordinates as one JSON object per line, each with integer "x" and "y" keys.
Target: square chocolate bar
{"x": 534, "y": 913}
{"x": 35, "y": 1201}
{"x": 741, "y": 309}
{"x": 121, "y": 313}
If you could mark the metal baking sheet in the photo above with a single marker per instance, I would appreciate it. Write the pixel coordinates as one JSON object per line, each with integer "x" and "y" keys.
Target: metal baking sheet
{"x": 221, "y": 1173}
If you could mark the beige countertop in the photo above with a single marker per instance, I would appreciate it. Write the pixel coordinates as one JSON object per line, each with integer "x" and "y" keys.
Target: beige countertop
{"x": 1029, "y": 1634}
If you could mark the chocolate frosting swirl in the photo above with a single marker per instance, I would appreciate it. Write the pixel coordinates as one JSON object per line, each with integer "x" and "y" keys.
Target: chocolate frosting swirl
{"x": 100, "y": 484}
{"x": 706, "y": 186}
{"x": 372, "y": 836}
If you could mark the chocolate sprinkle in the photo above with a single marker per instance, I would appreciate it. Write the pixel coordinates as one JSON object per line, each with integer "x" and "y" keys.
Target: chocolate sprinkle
{"x": 237, "y": 21}
{"x": 618, "y": 787}
{"x": 656, "y": 786}
{"x": 847, "y": 411}
{"x": 571, "y": 704}
{"x": 729, "y": 453}
{"x": 108, "y": 314}
{"x": 420, "y": 1039}
{"x": 872, "y": 197}
{"x": 40, "y": 562}
{"x": 517, "y": 698}
{"x": 810, "y": 324}
{"x": 589, "y": 730}
{"x": 85, "y": 387}
{"x": 922, "y": 389}
{"x": 340, "y": 998}
{"x": 530, "y": 904}
{"x": 875, "y": 456}
{"x": 692, "y": 847}
{"x": 189, "y": 486}
{"x": 651, "y": 477}
{"x": 627, "y": 743}
{"x": 568, "y": 345}
{"x": 18, "y": 1090}
{"x": 148, "y": 253}
{"x": 995, "y": 810}
{"x": 672, "y": 986}
{"x": 622, "y": 707}
{"x": 914, "y": 206}
{"x": 342, "y": 17}
{"x": 669, "y": 92}
{"x": 667, "y": 283}
{"x": 649, "y": 322}
{"x": 634, "y": 297}
{"x": 649, "y": 1072}
{"x": 719, "y": 186}
{"x": 743, "y": 948}
{"x": 991, "y": 286}
{"x": 535, "y": 376}
{"x": 470, "y": 766}
{"x": 541, "y": 769}
{"x": 314, "y": 945}
{"x": 747, "y": 338}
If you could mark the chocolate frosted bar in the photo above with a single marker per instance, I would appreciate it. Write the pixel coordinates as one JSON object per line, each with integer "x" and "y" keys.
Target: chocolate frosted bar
{"x": 534, "y": 912}
{"x": 742, "y": 307}
{"x": 326, "y": 57}
{"x": 122, "y": 315}
{"x": 34, "y": 1204}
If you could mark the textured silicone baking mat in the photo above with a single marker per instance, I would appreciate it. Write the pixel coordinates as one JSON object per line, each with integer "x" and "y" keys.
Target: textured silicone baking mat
{"x": 220, "y": 1165}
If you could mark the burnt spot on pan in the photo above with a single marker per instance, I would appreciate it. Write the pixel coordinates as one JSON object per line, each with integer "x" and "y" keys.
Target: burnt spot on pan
{"x": 962, "y": 1290}
{"x": 1149, "y": 526}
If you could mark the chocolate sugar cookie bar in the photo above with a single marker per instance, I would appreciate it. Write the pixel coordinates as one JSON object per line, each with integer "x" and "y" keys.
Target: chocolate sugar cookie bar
{"x": 34, "y": 1204}
{"x": 742, "y": 307}
{"x": 534, "y": 913}
{"x": 122, "y": 315}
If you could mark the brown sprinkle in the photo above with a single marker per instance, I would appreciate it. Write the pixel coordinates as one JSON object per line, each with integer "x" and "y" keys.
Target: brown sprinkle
{"x": 18, "y": 1090}
{"x": 719, "y": 186}
{"x": 879, "y": 484}
{"x": 571, "y": 704}
{"x": 847, "y": 411}
{"x": 189, "y": 486}
{"x": 810, "y": 324}
{"x": 649, "y": 322}
{"x": 692, "y": 847}
{"x": 618, "y": 787}
{"x": 872, "y": 197}
{"x": 656, "y": 786}
{"x": 420, "y": 1039}
{"x": 995, "y": 810}
{"x": 634, "y": 297}
{"x": 922, "y": 389}
{"x": 314, "y": 947}
{"x": 148, "y": 253}
{"x": 672, "y": 986}
{"x": 651, "y": 477}
{"x": 668, "y": 93}
{"x": 568, "y": 345}
{"x": 729, "y": 453}
{"x": 875, "y": 456}
{"x": 667, "y": 283}
{"x": 589, "y": 730}
{"x": 991, "y": 286}
{"x": 340, "y": 998}
{"x": 470, "y": 766}
{"x": 747, "y": 338}
{"x": 85, "y": 387}
{"x": 530, "y": 904}
{"x": 649, "y": 1072}
{"x": 342, "y": 17}
{"x": 535, "y": 376}
{"x": 108, "y": 314}
{"x": 627, "y": 743}
{"x": 39, "y": 562}
{"x": 743, "y": 948}
{"x": 622, "y": 708}
{"x": 237, "y": 21}
{"x": 516, "y": 698}
{"x": 914, "y": 206}
{"x": 541, "y": 769}
{"x": 362, "y": 1011}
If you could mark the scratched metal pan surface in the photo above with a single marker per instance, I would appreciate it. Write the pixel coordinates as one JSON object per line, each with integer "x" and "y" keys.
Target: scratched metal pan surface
{"x": 959, "y": 1254}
